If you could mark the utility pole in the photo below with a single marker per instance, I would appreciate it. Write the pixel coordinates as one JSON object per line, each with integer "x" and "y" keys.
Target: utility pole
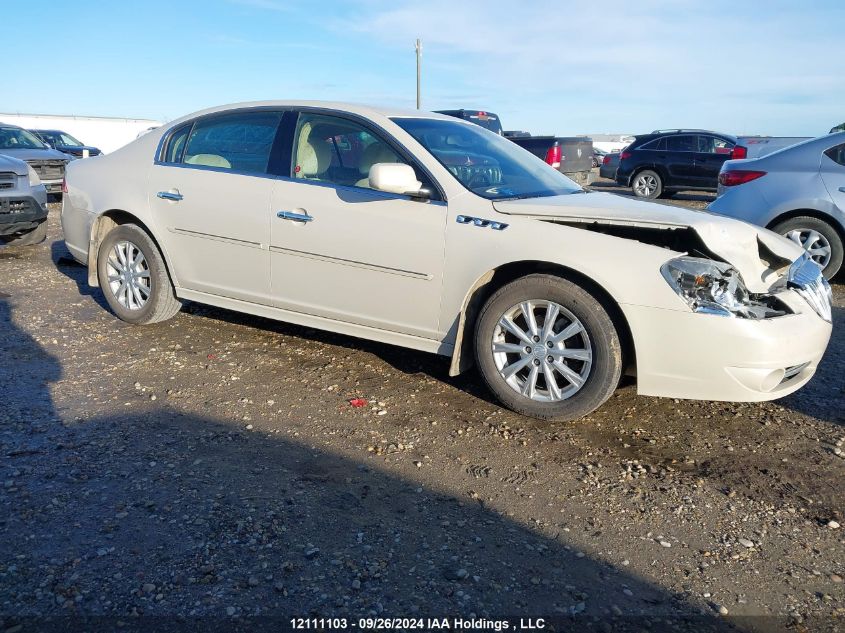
{"x": 418, "y": 48}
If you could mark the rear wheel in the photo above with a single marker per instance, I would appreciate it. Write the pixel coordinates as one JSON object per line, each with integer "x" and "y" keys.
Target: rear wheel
{"x": 133, "y": 277}
{"x": 35, "y": 236}
{"x": 547, "y": 348}
{"x": 820, "y": 239}
{"x": 647, "y": 184}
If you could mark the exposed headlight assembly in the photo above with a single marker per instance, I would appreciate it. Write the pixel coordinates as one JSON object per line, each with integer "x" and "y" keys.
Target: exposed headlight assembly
{"x": 34, "y": 179}
{"x": 712, "y": 287}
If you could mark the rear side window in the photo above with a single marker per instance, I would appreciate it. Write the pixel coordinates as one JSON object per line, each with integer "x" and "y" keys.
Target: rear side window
{"x": 658, "y": 144}
{"x": 714, "y": 145}
{"x": 837, "y": 154}
{"x": 176, "y": 145}
{"x": 240, "y": 141}
{"x": 682, "y": 143}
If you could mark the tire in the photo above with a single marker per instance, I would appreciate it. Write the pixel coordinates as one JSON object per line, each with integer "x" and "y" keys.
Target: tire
{"x": 816, "y": 235}
{"x": 35, "y": 236}
{"x": 153, "y": 299}
{"x": 498, "y": 350}
{"x": 647, "y": 184}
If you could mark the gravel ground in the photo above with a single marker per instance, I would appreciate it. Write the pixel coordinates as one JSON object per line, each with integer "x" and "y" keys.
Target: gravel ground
{"x": 212, "y": 466}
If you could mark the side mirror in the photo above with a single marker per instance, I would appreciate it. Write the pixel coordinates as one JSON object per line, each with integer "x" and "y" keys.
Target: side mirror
{"x": 397, "y": 178}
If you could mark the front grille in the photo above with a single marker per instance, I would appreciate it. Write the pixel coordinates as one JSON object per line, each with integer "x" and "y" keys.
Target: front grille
{"x": 49, "y": 169}
{"x": 806, "y": 278}
{"x": 7, "y": 180}
{"x": 10, "y": 207}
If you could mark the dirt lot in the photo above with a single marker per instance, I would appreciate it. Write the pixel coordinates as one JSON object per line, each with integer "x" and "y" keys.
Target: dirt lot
{"x": 212, "y": 466}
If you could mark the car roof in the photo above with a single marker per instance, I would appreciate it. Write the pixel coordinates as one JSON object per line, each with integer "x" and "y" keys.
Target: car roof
{"x": 642, "y": 138}
{"x": 361, "y": 109}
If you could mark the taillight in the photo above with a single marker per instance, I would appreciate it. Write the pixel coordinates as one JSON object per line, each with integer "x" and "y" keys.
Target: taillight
{"x": 606, "y": 160}
{"x": 739, "y": 152}
{"x": 553, "y": 156}
{"x": 624, "y": 155}
{"x": 735, "y": 177}
{"x": 64, "y": 185}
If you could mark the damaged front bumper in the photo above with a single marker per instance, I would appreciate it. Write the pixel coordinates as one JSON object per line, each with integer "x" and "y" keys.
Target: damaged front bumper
{"x": 708, "y": 357}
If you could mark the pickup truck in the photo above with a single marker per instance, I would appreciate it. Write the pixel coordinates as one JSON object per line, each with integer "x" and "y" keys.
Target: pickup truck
{"x": 572, "y": 156}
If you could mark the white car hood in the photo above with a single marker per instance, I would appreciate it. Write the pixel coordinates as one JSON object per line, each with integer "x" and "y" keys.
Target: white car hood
{"x": 736, "y": 242}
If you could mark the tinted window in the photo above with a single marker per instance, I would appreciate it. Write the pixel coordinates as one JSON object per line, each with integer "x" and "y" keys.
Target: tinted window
{"x": 17, "y": 138}
{"x": 682, "y": 143}
{"x": 658, "y": 144}
{"x": 837, "y": 154}
{"x": 176, "y": 144}
{"x": 339, "y": 151}
{"x": 487, "y": 164}
{"x": 240, "y": 141}
{"x": 714, "y": 145}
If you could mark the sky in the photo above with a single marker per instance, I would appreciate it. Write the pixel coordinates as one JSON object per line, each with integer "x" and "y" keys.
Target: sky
{"x": 561, "y": 67}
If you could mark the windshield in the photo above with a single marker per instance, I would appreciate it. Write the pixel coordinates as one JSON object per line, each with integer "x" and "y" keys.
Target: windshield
{"x": 487, "y": 164}
{"x": 17, "y": 138}
{"x": 58, "y": 138}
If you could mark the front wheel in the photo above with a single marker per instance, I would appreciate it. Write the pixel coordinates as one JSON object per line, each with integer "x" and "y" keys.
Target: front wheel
{"x": 547, "y": 348}
{"x": 647, "y": 184}
{"x": 134, "y": 278}
{"x": 818, "y": 238}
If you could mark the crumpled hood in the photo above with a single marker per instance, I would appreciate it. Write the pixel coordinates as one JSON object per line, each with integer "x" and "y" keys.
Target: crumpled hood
{"x": 736, "y": 242}
{"x": 7, "y": 163}
{"x": 36, "y": 154}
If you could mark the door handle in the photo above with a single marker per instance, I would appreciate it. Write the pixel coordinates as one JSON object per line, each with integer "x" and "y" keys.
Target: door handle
{"x": 296, "y": 217}
{"x": 170, "y": 195}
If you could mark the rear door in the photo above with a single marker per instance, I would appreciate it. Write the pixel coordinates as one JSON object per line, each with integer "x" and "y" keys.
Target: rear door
{"x": 680, "y": 160}
{"x": 712, "y": 153}
{"x": 209, "y": 193}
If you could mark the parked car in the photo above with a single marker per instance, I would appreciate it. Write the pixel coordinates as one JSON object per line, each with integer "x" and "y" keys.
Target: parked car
{"x": 798, "y": 192}
{"x": 598, "y": 156}
{"x": 432, "y": 233}
{"x": 572, "y": 156}
{"x": 23, "y": 204}
{"x": 64, "y": 142}
{"x": 48, "y": 163}
{"x": 608, "y": 166}
{"x": 667, "y": 161}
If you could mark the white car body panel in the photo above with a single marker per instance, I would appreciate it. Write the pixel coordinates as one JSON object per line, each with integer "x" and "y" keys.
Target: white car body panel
{"x": 402, "y": 271}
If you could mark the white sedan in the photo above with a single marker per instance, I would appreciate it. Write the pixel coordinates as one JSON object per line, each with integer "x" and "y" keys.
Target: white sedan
{"x": 432, "y": 233}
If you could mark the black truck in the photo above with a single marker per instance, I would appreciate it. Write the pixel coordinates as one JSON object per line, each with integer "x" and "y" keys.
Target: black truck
{"x": 571, "y": 155}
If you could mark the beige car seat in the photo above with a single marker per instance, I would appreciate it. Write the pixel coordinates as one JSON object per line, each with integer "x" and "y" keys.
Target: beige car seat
{"x": 375, "y": 153}
{"x": 313, "y": 157}
{"x": 208, "y": 160}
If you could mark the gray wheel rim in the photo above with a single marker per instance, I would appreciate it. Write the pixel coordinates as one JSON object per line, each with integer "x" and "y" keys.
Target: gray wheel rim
{"x": 816, "y": 244}
{"x": 542, "y": 351}
{"x": 645, "y": 185}
{"x": 128, "y": 275}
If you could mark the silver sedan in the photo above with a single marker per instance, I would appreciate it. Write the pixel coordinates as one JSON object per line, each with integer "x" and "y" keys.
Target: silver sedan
{"x": 798, "y": 192}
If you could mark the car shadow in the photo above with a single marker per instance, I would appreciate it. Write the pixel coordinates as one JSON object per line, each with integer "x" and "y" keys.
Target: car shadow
{"x": 162, "y": 517}
{"x": 611, "y": 186}
{"x": 68, "y": 266}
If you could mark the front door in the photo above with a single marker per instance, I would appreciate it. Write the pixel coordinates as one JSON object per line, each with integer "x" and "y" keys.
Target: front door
{"x": 711, "y": 155}
{"x": 344, "y": 251}
{"x": 210, "y": 197}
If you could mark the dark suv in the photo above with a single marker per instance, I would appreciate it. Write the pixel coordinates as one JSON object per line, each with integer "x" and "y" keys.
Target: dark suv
{"x": 667, "y": 161}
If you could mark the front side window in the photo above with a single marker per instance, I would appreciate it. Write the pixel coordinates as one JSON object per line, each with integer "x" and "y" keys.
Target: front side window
{"x": 240, "y": 141}
{"x": 18, "y": 138}
{"x": 714, "y": 145}
{"x": 837, "y": 154}
{"x": 337, "y": 150}
{"x": 683, "y": 143}
{"x": 487, "y": 164}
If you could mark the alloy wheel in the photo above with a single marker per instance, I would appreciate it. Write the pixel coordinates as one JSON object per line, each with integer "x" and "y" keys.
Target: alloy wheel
{"x": 814, "y": 243}
{"x": 542, "y": 351}
{"x": 645, "y": 185}
{"x": 128, "y": 275}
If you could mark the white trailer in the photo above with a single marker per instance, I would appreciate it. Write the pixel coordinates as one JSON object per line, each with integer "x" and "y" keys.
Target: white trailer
{"x": 106, "y": 133}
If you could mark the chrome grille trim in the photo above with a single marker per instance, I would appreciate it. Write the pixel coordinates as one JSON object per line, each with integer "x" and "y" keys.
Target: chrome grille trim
{"x": 806, "y": 278}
